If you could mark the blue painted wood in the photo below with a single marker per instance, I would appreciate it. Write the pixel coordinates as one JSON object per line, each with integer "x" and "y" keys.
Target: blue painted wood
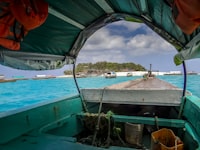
{"x": 17, "y": 124}
{"x": 150, "y": 121}
{"x": 178, "y": 123}
{"x": 191, "y": 112}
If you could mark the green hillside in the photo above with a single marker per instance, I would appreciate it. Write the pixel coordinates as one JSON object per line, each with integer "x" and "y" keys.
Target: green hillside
{"x": 102, "y": 67}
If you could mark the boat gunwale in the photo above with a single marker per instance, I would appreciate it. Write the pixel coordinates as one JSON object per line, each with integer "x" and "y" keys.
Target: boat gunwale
{"x": 34, "y": 106}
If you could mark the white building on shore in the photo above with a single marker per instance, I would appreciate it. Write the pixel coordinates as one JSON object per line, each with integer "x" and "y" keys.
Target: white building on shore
{"x": 140, "y": 73}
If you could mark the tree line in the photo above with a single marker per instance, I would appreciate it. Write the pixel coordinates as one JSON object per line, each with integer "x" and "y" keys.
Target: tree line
{"x": 102, "y": 67}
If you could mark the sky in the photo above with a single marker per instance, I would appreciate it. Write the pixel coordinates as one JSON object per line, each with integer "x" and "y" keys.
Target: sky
{"x": 121, "y": 42}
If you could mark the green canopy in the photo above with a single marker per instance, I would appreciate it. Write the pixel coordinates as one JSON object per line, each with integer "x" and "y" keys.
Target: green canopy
{"x": 71, "y": 22}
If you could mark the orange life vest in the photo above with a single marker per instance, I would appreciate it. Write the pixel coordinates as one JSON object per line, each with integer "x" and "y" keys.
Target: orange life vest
{"x": 17, "y": 18}
{"x": 187, "y": 14}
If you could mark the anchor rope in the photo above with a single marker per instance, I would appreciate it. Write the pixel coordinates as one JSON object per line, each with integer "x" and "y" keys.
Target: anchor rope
{"x": 99, "y": 117}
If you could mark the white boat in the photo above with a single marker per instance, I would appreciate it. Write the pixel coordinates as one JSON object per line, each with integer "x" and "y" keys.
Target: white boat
{"x": 129, "y": 74}
{"x": 110, "y": 74}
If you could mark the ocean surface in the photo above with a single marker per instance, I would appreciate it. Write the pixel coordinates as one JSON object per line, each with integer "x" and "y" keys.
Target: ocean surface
{"x": 23, "y": 93}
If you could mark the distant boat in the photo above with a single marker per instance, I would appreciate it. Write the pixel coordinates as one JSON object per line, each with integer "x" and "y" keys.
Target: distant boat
{"x": 2, "y": 79}
{"x": 192, "y": 73}
{"x": 173, "y": 73}
{"x": 129, "y": 74}
{"x": 110, "y": 74}
{"x": 80, "y": 75}
{"x": 38, "y": 77}
{"x": 7, "y": 80}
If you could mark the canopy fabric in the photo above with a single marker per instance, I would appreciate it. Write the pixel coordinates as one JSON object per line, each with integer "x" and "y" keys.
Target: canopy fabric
{"x": 70, "y": 23}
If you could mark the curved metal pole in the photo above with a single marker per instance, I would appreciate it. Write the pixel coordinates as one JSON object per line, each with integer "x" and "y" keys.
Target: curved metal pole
{"x": 76, "y": 83}
{"x": 185, "y": 79}
{"x": 74, "y": 75}
{"x": 184, "y": 90}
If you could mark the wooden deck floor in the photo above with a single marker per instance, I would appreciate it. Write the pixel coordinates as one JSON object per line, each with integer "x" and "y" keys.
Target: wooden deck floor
{"x": 151, "y": 91}
{"x": 150, "y": 83}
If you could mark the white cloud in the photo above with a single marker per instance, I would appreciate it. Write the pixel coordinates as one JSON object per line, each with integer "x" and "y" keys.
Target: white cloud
{"x": 102, "y": 55}
{"x": 147, "y": 44}
{"x": 103, "y": 39}
{"x": 103, "y": 44}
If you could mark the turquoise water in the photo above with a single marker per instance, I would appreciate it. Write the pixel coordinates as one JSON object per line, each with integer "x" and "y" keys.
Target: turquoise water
{"x": 24, "y": 93}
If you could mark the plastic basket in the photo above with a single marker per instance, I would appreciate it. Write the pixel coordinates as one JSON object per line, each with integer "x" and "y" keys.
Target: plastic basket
{"x": 165, "y": 139}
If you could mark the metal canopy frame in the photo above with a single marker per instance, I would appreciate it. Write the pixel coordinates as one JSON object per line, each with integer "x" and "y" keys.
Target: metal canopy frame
{"x": 105, "y": 6}
{"x": 65, "y": 18}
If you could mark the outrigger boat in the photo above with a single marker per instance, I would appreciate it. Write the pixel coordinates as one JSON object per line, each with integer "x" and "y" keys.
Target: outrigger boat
{"x": 110, "y": 74}
{"x": 113, "y": 119}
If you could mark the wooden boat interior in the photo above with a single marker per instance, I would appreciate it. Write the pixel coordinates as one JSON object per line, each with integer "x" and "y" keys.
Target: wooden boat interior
{"x": 67, "y": 123}
{"x": 99, "y": 119}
